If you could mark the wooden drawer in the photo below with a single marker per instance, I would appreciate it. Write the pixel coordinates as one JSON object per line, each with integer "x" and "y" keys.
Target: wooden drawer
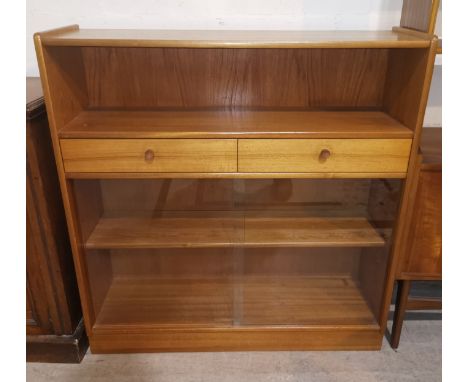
{"x": 323, "y": 155}
{"x": 149, "y": 155}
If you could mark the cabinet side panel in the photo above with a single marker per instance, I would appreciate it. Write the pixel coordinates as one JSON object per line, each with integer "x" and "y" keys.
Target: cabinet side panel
{"x": 372, "y": 267}
{"x": 65, "y": 95}
{"x": 406, "y": 99}
{"x": 67, "y": 84}
{"x": 384, "y": 197}
{"x": 88, "y": 199}
{"x": 407, "y": 70}
{"x": 100, "y": 272}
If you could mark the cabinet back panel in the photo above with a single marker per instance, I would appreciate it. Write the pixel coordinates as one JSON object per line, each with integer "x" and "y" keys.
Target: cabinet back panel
{"x": 124, "y": 197}
{"x": 229, "y": 78}
{"x": 224, "y": 262}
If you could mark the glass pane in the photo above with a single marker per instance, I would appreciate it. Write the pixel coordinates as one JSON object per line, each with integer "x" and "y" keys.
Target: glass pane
{"x": 233, "y": 252}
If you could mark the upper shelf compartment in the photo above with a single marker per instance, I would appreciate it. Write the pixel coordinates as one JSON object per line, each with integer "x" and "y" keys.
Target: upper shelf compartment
{"x": 234, "y": 124}
{"x": 73, "y": 36}
{"x": 265, "y": 84}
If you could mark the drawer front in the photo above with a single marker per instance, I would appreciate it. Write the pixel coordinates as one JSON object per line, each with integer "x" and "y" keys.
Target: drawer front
{"x": 324, "y": 155}
{"x": 149, "y": 155}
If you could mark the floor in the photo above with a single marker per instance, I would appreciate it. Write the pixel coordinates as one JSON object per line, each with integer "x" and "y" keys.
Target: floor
{"x": 419, "y": 358}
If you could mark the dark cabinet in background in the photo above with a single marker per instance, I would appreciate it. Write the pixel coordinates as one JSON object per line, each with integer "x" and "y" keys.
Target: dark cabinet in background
{"x": 54, "y": 327}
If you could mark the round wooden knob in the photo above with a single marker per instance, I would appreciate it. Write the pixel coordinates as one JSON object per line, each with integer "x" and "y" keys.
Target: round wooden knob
{"x": 149, "y": 155}
{"x": 324, "y": 155}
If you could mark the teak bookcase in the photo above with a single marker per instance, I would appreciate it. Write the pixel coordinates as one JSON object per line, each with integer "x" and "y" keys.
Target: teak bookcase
{"x": 235, "y": 190}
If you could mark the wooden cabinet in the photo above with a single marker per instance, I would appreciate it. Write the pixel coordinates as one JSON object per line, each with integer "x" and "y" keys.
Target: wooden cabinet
{"x": 422, "y": 256}
{"x": 54, "y": 327}
{"x": 235, "y": 190}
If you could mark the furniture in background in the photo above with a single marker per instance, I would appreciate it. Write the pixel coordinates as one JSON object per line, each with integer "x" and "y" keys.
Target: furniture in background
{"x": 420, "y": 15}
{"x": 421, "y": 258}
{"x": 235, "y": 190}
{"x": 421, "y": 255}
{"x": 54, "y": 328}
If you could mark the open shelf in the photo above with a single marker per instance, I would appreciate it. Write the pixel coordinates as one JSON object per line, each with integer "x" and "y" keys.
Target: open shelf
{"x": 73, "y": 36}
{"x": 226, "y": 302}
{"x": 166, "y": 301}
{"x": 306, "y": 300}
{"x": 234, "y": 124}
{"x": 230, "y": 229}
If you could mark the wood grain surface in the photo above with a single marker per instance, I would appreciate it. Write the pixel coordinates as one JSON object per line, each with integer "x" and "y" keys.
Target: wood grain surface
{"x": 234, "y": 78}
{"x": 420, "y": 15}
{"x": 232, "y": 229}
{"x": 368, "y": 91}
{"x": 230, "y": 38}
{"x": 130, "y": 155}
{"x": 422, "y": 256}
{"x": 266, "y": 301}
{"x": 423, "y": 253}
{"x": 416, "y": 14}
{"x": 304, "y": 155}
{"x": 431, "y": 149}
{"x": 234, "y": 124}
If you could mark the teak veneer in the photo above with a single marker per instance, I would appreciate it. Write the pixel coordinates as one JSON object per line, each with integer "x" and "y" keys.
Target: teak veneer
{"x": 234, "y": 124}
{"x": 73, "y": 36}
{"x": 235, "y": 190}
{"x": 231, "y": 156}
{"x": 421, "y": 258}
{"x": 227, "y": 229}
{"x": 209, "y": 302}
{"x": 420, "y": 251}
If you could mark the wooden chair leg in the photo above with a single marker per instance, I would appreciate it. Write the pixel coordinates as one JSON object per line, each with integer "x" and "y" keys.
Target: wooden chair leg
{"x": 400, "y": 308}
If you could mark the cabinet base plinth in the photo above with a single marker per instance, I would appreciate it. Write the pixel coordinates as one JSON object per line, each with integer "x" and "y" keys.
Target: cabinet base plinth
{"x": 124, "y": 341}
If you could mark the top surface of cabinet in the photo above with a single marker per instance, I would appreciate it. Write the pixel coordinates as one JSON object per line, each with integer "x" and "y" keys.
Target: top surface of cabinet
{"x": 73, "y": 36}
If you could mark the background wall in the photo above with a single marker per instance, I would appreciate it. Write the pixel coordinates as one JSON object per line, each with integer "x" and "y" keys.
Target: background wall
{"x": 212, "y": 14}
{"x": 208, "y": 14}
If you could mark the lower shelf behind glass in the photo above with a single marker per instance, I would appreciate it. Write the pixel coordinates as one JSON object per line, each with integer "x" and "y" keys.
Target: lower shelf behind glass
{"x": 252, "y": 300}
{"x": 234, "y": 229}
{"x": 243, "y": 253}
